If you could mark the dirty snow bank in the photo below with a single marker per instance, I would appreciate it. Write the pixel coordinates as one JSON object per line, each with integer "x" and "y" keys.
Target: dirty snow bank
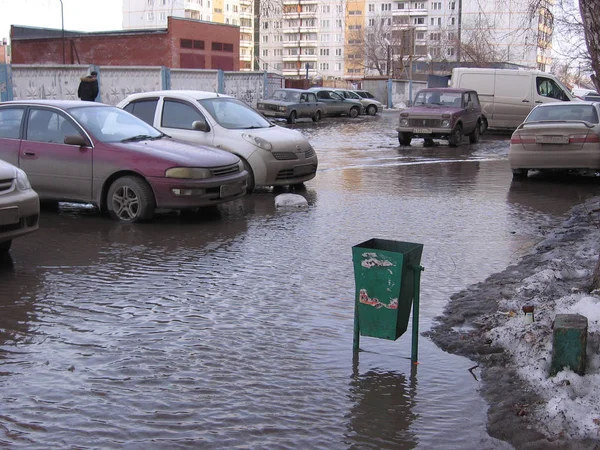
{"x": 527, "y": 408}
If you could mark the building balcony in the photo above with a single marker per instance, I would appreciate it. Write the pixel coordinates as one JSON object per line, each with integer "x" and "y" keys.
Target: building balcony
{"x": 248, "y": 30}
{"x": 301, "y": 58}
{"x": 246, "y": 15}
{"x": 247, "y": 44}
{"x": 288, "y": 44}
{"x": 245, "y": 57}
{"x": 246, "y": 2}
{"x": 301, "y": 15}
{"x": 300, "y": 2}
{"x": 300, "y": 30}
{"x": 299, "y": 72}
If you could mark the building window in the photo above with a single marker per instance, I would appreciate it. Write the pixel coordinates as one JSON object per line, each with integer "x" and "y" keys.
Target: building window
{"x": 356, "y": 12}
{"x": 371, "y": 7}
{"x": 265, "y": 52}
{"x": 265, "y": 39}
{"x": 324, "y": 66}
{"x": 199, "y": 45}
{"x": 437, "y": 6}
{"x": 186, "y": 43}
{"x": 452, "y": 5}
{"x": 401, "y": 5}
{"x": 338, "y": 66}
{"x": 450, "y": 51}
{"x": 419, "y": 20}
{"x": 338, "y": 23}
{"x": 228, "y": 48}
{"x": 162, "y": 17}
{"x": 150, "y": 16}
{"x": 324, "y": 52}
{"x": 217, "y": 46}
{"x": 338, "y": 52}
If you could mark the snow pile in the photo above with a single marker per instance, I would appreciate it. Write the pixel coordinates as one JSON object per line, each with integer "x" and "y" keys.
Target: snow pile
{"x": 572, "y": 402}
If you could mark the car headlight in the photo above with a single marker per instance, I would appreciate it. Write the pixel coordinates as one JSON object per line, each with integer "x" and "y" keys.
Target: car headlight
{"x": 22, "y": 181}
{"x": 403, "y": 122}
{"x": 445, "y": 123}
{"x": 282, "y": 108}
{"x": 192, "y": 173}
{"x": 258, "y": 141}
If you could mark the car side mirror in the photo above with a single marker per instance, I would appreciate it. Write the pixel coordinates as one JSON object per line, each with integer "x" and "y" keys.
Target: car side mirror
{"x": 75, "y": 139}
{"x": 200, "y": 125}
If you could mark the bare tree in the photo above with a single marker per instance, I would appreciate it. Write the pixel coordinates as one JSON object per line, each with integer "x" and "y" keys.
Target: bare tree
{"x": 477, "y": 44}
{"x": 373, "y": 47}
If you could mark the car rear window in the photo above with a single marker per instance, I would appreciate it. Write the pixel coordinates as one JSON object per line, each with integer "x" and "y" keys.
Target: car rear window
{"x": 561, "y": 112}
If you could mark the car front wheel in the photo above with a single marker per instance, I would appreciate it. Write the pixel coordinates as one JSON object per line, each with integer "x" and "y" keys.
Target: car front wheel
{"x": 5, "y": 246}
{"x": 474, "y": 136}
{"x": 353, "y": 112}
{"x": 250, "y": 183}
{"x": 520, "y": 173}
{"x": 317, "y": 116}
{"x": 404, "y": 138}
{"x": 455, "y": 138}
{"x": 292, "y": 117}
{"x": 371, "y": 110}
{"x": 130, "y": 200}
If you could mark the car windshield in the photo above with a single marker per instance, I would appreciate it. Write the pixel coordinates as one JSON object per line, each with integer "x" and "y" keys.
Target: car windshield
{"x": 233, "y": 114}
{"x": 111, "y": 124}
{"x": 353, "y": 95}
{"x": 562, "y": 112}
{"x": 438, "y": 98}
{"x": 287, "y": 96}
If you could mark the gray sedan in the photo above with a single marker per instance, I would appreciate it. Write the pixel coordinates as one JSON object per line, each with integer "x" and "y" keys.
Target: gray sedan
{"x": 336, "y": 105}
{"x": 291, "y": 104}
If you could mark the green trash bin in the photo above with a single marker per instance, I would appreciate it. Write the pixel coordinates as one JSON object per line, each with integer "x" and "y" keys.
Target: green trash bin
{"x": 384, "y": 273}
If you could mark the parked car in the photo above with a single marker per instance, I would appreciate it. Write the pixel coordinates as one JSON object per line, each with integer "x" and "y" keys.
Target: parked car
{"x": 557, "y": 136}
{"x": 508, "y": 95}
{"x": 336, "y": 104}
{"x": 94, "y": 153}
{"x": 371, "y": 106}
{"x": 291, "y": 104}
{"x": 272, "y": 155}
{"x": 442, "y": 113}
{"x": 19, "y": 204}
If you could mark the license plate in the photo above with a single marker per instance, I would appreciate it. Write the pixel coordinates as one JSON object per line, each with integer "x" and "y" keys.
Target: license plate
{"x": 552, "y": 139}
{"x": 422, "y": 130}
{"x": 227, "y": 190}
{"x": 8, "y": 216}
{"x": 303, "y": 170}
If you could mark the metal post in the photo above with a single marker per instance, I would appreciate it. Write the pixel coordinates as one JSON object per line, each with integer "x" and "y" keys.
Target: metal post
{"x": 415, "y": 324}
{"x": 356, "y": 340}
{"x": 62, "y": 27}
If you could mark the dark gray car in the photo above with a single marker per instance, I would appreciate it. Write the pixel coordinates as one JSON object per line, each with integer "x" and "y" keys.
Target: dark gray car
{"x": 336, "y": 104}
{"x": 291, "y": 104}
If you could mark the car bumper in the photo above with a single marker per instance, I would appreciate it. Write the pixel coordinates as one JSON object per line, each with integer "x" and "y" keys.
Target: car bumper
{"x": 429, "y": 133}
{"x": 173, "y": 193}
{"x": 19, "y": 214}
{"x": 587, "y": 157}
{"x": 274, "y": 114}
{"x": 282, "y": 172}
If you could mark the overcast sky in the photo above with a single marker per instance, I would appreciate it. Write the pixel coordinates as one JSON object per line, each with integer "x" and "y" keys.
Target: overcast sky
{"x": 79, "y": 15}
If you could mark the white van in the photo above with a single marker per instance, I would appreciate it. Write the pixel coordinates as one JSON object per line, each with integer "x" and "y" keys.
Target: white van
{"x": 508, "y": 95}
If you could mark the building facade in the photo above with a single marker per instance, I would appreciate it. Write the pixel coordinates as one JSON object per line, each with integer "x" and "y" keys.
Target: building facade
{"x": 184, "y": 43}
{"x": 153, "y": 14}
{"x": 347, "y": 39}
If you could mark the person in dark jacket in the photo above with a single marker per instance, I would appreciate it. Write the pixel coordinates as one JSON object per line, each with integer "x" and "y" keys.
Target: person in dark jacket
{"x": 88, "y": 87}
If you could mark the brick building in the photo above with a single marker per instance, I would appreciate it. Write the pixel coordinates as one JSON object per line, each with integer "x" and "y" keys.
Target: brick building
{"x": 185, "y": 43}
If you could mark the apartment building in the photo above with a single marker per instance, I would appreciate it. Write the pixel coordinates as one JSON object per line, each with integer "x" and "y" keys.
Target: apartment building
{"x": 141, "y": 14}
{"x": 345, "y": 39}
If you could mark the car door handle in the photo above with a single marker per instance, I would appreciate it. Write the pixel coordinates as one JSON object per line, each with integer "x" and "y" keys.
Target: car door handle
{"x": 26, "y": 153}
{"x": 539, "y": 101}
{"x": 525, "y": 101}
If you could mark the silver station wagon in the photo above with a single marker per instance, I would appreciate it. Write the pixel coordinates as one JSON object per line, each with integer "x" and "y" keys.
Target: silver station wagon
{"x": 292, "y": 104}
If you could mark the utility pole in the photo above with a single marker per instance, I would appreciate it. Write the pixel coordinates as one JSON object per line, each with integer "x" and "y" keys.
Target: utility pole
{"x": 62, "y": 26}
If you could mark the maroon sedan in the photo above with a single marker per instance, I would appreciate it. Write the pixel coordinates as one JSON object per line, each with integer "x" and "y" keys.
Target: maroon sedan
{"x": 94, "y": 153}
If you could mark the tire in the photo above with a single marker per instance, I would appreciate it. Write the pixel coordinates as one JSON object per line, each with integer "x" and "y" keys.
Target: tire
{"x": 353, "y": 112}
{"x": 49, "y": 205}
{"x": 130, "y": 200}
{"x": 520, "y": 173}
{"x": 474, "y": 136}
{"x": 371, "y": 110}
{"x": 250, "y": 183}
{"x": 317, "y": 116}
{"x": 404, "y": 138}
{"x": 292, "y": 117}
{"x": 455, "y": 139}
{"x": 428, "y": 143}
{"x": 5, "y": 247}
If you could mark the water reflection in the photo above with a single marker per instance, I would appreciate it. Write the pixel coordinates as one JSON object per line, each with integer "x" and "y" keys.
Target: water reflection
{"x": 552, "y": 194}
{"x": 382, "y": 412}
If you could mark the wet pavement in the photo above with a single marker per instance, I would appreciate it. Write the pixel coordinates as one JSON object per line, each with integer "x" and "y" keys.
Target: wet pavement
{"x": 233, "y": 328}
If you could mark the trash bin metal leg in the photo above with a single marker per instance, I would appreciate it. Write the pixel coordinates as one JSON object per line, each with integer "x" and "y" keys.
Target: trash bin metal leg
{"x": 415, "y": 323}
{"x": 356, "y": 341}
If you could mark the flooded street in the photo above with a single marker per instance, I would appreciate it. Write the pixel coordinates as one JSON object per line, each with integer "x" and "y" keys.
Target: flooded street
{"x": 233, "y": 328}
